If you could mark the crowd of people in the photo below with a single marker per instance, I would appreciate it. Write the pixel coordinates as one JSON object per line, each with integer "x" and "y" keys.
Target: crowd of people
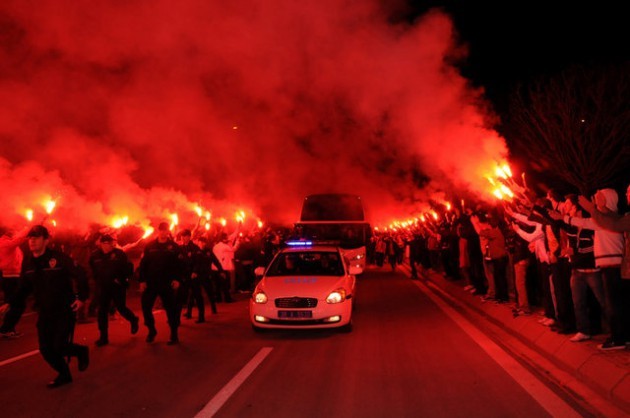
{"x": 563, "y": 256}
{"x": 71, "y": 279}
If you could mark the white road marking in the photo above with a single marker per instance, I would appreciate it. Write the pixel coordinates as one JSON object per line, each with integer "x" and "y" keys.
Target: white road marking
{"x": 228, "y": 390}
{"x": 551, "y": 402}
{"x": 18, "y": 358}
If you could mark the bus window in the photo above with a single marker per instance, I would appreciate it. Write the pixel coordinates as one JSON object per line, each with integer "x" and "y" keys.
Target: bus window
{"x": 332, "y": 207}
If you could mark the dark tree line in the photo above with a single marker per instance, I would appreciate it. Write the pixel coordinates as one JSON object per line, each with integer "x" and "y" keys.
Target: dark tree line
{"x": 576, "y": 125}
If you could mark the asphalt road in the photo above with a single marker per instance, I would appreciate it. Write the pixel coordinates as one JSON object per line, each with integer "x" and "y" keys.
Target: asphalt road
{"x": 408, "y": 356}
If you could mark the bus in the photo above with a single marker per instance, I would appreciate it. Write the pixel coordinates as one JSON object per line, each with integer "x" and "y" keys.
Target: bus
{"x": 336, "y": 219}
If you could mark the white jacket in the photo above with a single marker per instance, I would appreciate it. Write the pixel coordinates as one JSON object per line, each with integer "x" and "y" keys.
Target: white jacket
{"x": 225, "y": 254}
{"x": 608, "y": 245}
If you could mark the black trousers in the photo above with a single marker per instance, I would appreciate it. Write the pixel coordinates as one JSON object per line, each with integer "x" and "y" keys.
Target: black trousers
{"x": 561, "y": 277}
{"x": 617, "y": 292}
{"x": 117, "y": 294}
{"x": 499, "y": 272}
{"x": 196, "y": 296}
{"x": 181, "y": 297}
{"x": 54, "y": 330}
{"x": 167, "y": 296}
{"x": 544, "y": 272}
{"x": 222, "y": 284}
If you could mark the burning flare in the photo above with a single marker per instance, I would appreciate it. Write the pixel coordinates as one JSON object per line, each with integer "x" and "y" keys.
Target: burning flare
{"x": 147, "y": 232}
{"x": 49, "y": 206}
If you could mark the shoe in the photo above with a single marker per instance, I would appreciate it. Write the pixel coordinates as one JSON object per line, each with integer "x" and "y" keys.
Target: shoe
{"x": 151, "y": 335}
{"x": 609, "y": 344}
{"x": 134, "y": 326}
{"x": 560, "y": 330}
{"x": 101, "y": 342}
{"x": 548, "y": 322}
{"x": 469, "y": 287}
{"x": 83, "y": 357}
{"x": 579, "y": 337}
{"x": 59, "y": 381}
{"x": 173, "y": 340}
{"x": 11, "y": 334}
{"x": 188, "y": 316}
{"x": 200, "y": 321}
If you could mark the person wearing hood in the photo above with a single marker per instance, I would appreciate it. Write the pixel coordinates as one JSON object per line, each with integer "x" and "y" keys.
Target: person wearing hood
{"x": 613, "y": 222}
{"x": 608, "y": 249}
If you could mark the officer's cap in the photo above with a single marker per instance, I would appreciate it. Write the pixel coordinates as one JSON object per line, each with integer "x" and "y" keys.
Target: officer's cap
{"x": 38, "y": 231}
{"x": 107, "y": 238}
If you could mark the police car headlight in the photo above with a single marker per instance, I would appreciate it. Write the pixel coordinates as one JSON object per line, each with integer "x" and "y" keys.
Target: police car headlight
{"x": 336, "y": 296}
{"x": 259, "y": 297}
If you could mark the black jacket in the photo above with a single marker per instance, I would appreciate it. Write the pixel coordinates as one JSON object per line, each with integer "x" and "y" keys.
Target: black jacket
{"x": 111, "y": 268}
{"x": 53, "y": 280}
{"x": 160, "y": 264}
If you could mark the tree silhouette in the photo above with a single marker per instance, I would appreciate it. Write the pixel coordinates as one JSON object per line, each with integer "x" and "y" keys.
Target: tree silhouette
{"x": 576, "y": 125}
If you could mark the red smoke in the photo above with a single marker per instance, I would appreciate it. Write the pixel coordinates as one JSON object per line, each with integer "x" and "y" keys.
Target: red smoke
{"x": 148, "y": 107}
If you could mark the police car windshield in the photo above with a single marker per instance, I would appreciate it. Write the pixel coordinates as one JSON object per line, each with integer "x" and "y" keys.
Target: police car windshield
{"x": 307, "y": 263}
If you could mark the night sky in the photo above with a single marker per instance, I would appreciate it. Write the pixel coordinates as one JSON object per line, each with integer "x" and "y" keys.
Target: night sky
{"x": 514, "y": 42}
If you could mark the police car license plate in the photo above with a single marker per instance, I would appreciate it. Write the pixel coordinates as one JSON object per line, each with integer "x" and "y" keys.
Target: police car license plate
{"x": 295, "y": 314}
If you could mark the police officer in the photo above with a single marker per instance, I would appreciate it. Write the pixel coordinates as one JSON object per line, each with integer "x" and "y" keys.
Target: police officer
{"x": 50, "y": 276}
{"x": 206, "y": 276}
{"x": 191, "y": 282}
{"x": 111, "y": 271}
{"x": 160, "y": 273}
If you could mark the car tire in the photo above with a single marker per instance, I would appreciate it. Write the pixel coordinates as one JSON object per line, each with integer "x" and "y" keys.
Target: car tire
{"x": 346, "y": 328}
{"x": 258, "y": 330}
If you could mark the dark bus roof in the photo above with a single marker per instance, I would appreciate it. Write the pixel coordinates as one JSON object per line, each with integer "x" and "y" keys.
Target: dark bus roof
{"x": 332, "y": 207}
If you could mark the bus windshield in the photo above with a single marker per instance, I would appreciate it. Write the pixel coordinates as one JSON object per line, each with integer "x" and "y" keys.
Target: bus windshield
{"x": 336, "y": 219}
{"x": 332, "y": 207}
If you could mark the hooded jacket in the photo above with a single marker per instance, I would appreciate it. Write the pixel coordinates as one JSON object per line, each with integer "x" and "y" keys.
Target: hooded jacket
{"x": 608, "y": 245}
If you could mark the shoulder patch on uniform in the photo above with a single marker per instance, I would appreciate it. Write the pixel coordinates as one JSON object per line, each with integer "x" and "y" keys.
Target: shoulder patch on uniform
{"x": 52, "y": 263}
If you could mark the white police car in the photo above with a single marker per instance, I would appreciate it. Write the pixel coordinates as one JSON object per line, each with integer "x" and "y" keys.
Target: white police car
{"x": 305, "y": 286}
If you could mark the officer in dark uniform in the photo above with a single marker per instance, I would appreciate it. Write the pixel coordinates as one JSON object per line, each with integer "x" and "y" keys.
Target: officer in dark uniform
{"x": 206, "y": 276}
{"x": 50, "y": 276}
{"x": 160, "y": 274}
{"x": 111, "y": 271}
{"x": 191, "y": 282}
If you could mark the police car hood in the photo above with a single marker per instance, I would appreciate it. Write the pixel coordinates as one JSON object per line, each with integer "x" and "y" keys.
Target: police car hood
{"x": 303, "y": 286}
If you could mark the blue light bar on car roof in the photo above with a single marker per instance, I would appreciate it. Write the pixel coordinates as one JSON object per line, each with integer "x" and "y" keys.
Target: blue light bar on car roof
{"x": 299, "y": 243}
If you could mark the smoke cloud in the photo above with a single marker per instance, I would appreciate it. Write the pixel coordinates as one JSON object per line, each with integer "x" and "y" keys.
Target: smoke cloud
{"x": 146, "y": 108}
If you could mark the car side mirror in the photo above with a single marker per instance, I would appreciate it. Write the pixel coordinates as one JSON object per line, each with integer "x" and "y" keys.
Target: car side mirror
{"x": 259, "y": 271}
{"x": 354, "y": 270}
